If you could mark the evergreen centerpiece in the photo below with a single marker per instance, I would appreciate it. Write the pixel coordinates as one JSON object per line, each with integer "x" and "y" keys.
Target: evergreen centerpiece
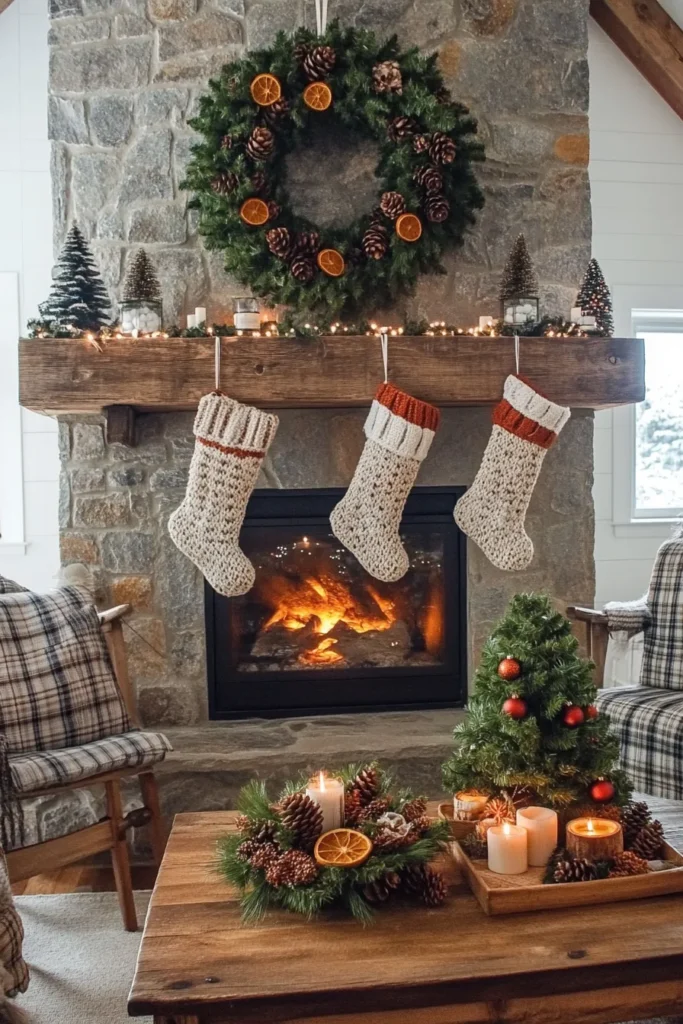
{"x": 280, "y": 857}
{"x": 78, "y": 300}
{"x": 141, "y": 306}
{"x": 595, "y": 300}
{"x": 519, "y": 286}
{"x": 533, "y": 733}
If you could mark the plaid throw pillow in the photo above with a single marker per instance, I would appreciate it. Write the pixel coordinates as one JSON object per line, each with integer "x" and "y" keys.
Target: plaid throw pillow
{"x": 57, "y": 686}
{"x": 663, "y": 643}
{"x": 10, "y": 587}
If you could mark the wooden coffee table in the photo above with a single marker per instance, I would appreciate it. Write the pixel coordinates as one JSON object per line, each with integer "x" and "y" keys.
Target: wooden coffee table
{"x": 452, "y": 965}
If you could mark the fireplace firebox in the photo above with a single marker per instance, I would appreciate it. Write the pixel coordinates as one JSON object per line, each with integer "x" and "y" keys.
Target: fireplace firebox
{"x": 318, "y": 634}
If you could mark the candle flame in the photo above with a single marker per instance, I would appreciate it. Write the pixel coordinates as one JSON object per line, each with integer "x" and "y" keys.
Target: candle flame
{"x": 321, "y": 778}
{"x": 506, "y": 828}
{"x": 590, "y": 826}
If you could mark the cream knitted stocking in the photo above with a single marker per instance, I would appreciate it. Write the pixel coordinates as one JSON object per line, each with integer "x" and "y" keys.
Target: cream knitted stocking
{"x": 493, "y": 511}
{"x": 231, "y": 441}
{"x": 399, "y": 431}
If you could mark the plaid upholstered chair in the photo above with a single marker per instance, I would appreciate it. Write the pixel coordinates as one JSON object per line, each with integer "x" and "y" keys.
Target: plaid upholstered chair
{"x": 68, "y": 720}
{"x": 648, "y": 718}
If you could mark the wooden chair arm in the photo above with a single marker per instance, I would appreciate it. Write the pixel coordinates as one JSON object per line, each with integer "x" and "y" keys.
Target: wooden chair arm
{"x": 113, "y": 613}
{"x": 587, "y": 615}
{"x": 597, "y": 637}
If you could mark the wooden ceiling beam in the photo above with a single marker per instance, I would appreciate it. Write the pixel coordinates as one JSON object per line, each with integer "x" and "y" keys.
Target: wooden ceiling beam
{"x": 650, "y": 39}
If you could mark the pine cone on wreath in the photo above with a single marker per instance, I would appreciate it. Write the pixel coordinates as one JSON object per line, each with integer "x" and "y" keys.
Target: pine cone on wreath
{"x": 442, "y": 148}
{"x": 367, "y": 783}
{"x": 247, "y": 849}
{"x": 226, "y": 142}
{"x": 292, "y": 868}
{"x": 273, "y": 210}
{"x": 437, "y": 209}
{"x": 258, "y": 181}
{"x": 442, "y": 95}
{"x": 381, "y": 889}
{"x": 386, "y": 77}
{"x": 262, "y": 831}
{"x": 303, "y": 269}
{"x": 306, "y": 243}
{"x": 421, "y": 824}
{"x": 634, "y": 817}
{"x": 627, "y": 864}
{"x": 355, "y": 257}
{"x": 649, "y": 842}
{"x": 392, "y": 204}
{"x": 352, "y": 807}
{"x": 415, "y": 808}
{"x": 265, "y": 856}
{"x": 568, "y": 869}
{"x": 276, "y": 111}
{"x": 401, "y": 128}
{"x": 279, "y": 241}
{"x": 429, "y": 178}
{"x": 374, "y": 810}
{"x": 301, "y": 51}
{"x": 426, "y": 883}
{"x": 224, "y": 183}
{"x": 319, "y": 62}
{"x": 421, "y": 143}
{"x": 302, "y": 817}
{"x": 375, "y": 242}
{"x": 261, "y": 143}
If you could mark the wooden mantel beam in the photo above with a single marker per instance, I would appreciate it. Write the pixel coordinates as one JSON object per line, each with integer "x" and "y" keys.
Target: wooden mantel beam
{"x": 650, "y": 39}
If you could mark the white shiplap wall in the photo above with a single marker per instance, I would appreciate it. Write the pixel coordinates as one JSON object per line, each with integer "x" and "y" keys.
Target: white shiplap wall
{"x": 636, "y": 174}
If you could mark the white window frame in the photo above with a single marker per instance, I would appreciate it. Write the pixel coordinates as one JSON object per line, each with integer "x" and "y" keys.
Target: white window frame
{"x": 628, "y": 521}
{"x": 12, "y": 539}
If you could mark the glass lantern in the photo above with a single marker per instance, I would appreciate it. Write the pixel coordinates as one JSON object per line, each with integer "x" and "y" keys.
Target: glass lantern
{"x": 247, "y": 314}
{"x": 521, "y": 309}
{"x": 143, "y": 315}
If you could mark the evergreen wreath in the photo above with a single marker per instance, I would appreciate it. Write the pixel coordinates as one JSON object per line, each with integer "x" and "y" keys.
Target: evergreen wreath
{"x": 264, "y": 106}
{"x": 274, "y": 858}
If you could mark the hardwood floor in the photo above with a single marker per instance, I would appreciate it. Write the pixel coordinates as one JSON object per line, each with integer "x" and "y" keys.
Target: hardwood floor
{"x": 100, "y": 878}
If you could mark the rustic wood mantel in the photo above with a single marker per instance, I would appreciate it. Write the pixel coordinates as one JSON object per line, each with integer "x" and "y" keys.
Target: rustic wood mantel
{"x": 71, "y": 376}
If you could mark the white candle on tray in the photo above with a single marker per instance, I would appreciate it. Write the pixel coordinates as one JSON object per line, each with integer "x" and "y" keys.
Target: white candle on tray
{"x": 199, "y": 315}
{"x": 507, "y": 849}
{"x": 541, "y": 827}
{"x": 328, "y": 794}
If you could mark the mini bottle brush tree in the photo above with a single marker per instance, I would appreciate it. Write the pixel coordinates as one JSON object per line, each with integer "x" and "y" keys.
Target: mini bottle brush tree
{"x": 78, "y": 300}
{"x": 140, "y": 308}
{"x": 532, "y": 728}
{"x": 519, "y": 286}
{"x": 595, "y": 300}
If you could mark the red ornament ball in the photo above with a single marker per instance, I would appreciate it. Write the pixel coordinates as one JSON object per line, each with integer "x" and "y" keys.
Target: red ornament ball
{"x": 509, "y": 669}
{"x": 591, "y": 712}
{"x": 515, "y": 707}
{"x": 573, "y": 716}
{"x": 602, "y": 791}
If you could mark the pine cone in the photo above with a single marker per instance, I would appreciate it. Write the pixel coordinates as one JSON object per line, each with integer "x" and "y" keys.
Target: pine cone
{"x": 626, "y": 864}
{"x": 301, "y": 51}
{"x": 224, "y": 183}
{"x": 421, "y": 143}
{"x": 302, "y": 817}
{"x": 474, "y": 846}
{"x": 442, "y": 95}
{"x": 374, "y": 810}
{"x": 634, "y": 817}
{"x": 500, "y": 808}
{"x": 226, "y": 142}
{"x": 318, "y": 62}
{"x": 367, "y": 783}
{"x": 415, "y": 808}
{"x": 265, "y": 856}
{"x": 422, "y": 824}
{"x": 292, "y": 868}
{"x": 649, "y": 841}
{"x": 261, "y": 143}
{"x": 388, "y": 839}
{"x": 437, "y": 209}
{"x": 276, "y": 111}
{"x": 273, "y": 209}
{"x": 258, "y": 181}
{"x": 401, "y": 128}
{"x": 247, "y": 849}
{"x": 243, "y": 823}
{"x": 375, "y": 242}
{"x": 352, "y": 807}
{"x": 386, "y": 77}
{"x": 392, "y": 204}
{"x": 303, "y": 269}
{"x": 306, "y": 243}
{"x": 381, "y": 889}
{"x": 568, "y": 869}
{"x": 426, "y": 883}
{"x": 355, "y": 257}
{"x": 442, "y": 148}
{"x": 279, "y": 241}
{"x": 429, "y": 178}
{"x": 263, "y": 831}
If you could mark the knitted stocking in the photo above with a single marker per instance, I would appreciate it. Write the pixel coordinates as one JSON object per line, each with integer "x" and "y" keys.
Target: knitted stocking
{"x": 399, "y": 430}
{"x": 231, "y": 441}
{"x": 493, "y": 511}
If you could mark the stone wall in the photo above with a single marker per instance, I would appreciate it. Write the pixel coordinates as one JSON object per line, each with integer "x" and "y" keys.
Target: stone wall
{"x": 125, "y": 76}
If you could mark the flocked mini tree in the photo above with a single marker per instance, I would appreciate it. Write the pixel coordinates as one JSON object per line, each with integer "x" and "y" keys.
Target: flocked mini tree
{"x": 532, "y": 730}
{"x": 78, "y": 299}
{"x": 595, "y": 299}
{"x": 519, "y": 275}
{"x": 141, "y": 279}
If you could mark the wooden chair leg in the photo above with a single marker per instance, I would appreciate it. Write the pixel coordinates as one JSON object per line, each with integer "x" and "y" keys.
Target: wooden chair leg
{"x": 119, "y": 856}
{"x": 150, "y": 794}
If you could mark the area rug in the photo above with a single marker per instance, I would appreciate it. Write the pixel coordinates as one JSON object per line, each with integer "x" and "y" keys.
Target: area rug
{"x": 82, "y": 961}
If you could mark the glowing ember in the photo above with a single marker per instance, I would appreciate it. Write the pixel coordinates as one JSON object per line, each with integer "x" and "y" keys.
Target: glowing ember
{"x": 322, "y": 654}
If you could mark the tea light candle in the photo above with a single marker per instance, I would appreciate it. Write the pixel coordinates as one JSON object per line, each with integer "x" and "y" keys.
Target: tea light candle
{"x": 507, "y": 849}
{"x": 468, "y": 805}
{"x": 541, "y": 827}
{"x": 199, "y": 315}
{"x": 594, "y": 838}
{"x": 328, "y": 794}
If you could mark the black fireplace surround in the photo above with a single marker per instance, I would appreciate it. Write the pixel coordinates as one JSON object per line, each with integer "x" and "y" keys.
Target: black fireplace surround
{"x": 317, "y": 634}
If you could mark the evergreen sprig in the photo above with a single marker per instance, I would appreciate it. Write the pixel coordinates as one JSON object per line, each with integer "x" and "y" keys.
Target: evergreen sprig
{"x": 228, "y": 110}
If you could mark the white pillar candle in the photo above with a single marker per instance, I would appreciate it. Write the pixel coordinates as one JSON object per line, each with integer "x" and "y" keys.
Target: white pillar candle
{"x": 328, "y": 794}
{"x": 507, "y": 849}
{"x": 191, "y": 320}
{"x": 199, "y": 315}
{"x": 541, "y": 827}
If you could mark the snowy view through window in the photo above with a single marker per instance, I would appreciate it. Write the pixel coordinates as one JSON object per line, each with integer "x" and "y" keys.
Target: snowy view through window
{"x": 659, "y": 428}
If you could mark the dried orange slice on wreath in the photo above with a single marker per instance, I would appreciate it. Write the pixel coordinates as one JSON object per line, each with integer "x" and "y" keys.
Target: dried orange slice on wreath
{"x": 409, "y": 227}
{"x": 342, "y": 848}
{"x": 265, "y": 90}
{"x": 318, "y": 96}
{"x": 254, "y": 212}
{"x": 331, "y": 262}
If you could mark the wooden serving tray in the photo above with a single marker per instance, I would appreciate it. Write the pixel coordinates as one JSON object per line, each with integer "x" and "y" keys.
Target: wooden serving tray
{"x": 516, "y": 894}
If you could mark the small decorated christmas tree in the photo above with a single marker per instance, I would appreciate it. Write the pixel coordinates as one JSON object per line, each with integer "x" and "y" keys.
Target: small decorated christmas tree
{"x": 78, "y": 298}
{"x": 533, "y": 732}
{"x": 141, "y": 279}
{"x": 595, "y": 300}
{"x": 519, "y": 277}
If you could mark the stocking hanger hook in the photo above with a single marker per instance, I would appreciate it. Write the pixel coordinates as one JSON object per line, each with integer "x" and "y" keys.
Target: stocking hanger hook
{"x": 517, "y": 355}
{"x": 321, "y": 16}
{"x": 384, "y": 342}
{"x": 217, "y": 364}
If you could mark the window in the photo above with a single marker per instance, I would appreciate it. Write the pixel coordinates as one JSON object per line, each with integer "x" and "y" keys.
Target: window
{"x": 11, "y": 485}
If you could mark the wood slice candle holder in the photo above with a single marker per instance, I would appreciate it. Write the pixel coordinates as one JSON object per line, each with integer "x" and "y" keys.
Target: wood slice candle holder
{"x": 594, "y": 838}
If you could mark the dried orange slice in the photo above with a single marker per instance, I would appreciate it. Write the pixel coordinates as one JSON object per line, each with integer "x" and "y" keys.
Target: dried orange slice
{"x": 318, "y": 96}
{"x": 254, "y": 212}
{"x": 409, "y": 227}
{"x": 331, "y": 262}
{"x": 342, "y": 848}
{"x": 265, "y": 90}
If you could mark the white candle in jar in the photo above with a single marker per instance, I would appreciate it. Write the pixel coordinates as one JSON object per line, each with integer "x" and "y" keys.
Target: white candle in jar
{"x": 507, "y": 849}
{"x": 541, "y": 827}
{"x": 199, "y": 315}
{"x": 328, "y": 794}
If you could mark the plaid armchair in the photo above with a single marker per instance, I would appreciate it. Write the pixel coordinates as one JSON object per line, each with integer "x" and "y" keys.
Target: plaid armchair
{"x": 648, "y": 718}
